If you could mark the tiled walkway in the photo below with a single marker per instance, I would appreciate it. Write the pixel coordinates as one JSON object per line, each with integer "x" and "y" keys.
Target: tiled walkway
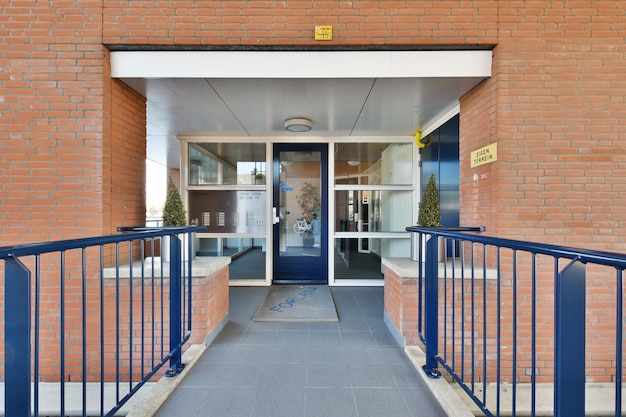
{"x": 353, "y": 368}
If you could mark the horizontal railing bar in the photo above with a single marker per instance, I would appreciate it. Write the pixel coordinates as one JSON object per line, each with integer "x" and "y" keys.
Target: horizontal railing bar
{"x": 62, "y": 245}
{"x": 583, "y": 255}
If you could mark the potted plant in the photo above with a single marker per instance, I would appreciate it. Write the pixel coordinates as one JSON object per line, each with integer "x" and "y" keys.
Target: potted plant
{"x": 309, "y": 202}
{"x": 174, "y": 214}
{"x": 429, "y": 214}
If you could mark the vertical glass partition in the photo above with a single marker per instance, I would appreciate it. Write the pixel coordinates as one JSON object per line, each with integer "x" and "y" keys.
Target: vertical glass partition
{"x": 374, "y": 196}
{"x": 227, "y": 194}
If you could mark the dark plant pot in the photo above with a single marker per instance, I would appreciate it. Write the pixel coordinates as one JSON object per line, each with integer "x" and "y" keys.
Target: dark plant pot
{"x": 308, "y": 241}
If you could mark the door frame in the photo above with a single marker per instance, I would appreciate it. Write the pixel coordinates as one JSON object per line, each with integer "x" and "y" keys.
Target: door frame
{"x": 323, "y": 274}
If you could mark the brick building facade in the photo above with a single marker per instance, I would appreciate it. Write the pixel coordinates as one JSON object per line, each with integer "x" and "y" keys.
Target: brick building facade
{"x": 72, "y": 139}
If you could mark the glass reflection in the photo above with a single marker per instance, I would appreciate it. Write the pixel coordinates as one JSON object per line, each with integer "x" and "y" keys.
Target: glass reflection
{"x": 374, "y": 163}
{"x": 300, "y": 204}
{"x": 227, "y": 164}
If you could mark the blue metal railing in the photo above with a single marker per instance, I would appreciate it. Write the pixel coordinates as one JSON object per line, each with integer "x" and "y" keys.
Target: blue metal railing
{"x": 515, "y": 323}
{"x": 97, "y": 312}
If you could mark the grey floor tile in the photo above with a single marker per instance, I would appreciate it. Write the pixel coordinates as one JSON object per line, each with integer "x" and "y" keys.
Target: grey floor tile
{"x": 292, "y": 337}
{"x": 327, "y": 375}
{"x": 324, "y": 337}
{"x": 184, "y": 402}
{"x": 371, "y": 402}
{"x": 392, "y": 354}
{"x": 228, "y": 402}
{"x": 218, "y": 353}
{"x": 324, "y": 326}
{"x": 364, "y": 355}
{"x": 279, "y": 403}
{"x": 371, "y": 376}
{"x": 405, "y": 375}
{"x": 358, "y": 338}
{"x": 353, "y": 325}
{"x": 264, "y": 325}
{"x": 284, "y": 376}
{"x": 288, "y": 353}
{"x": 384, "y": 337}
{"x": 330, "y": 402}
{"x": 297, "y": 325}
{"x": 421, "y": 403}
{"x": 258, "y": 337}
{"x": 224, "y": 375}
{"x": 335, "y": 353}
{"x": 250, "y": 353}
{"x": 227, "y": 337}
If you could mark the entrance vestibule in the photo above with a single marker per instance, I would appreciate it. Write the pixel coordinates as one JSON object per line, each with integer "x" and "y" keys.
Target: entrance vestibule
{"x": 251, "y": 198}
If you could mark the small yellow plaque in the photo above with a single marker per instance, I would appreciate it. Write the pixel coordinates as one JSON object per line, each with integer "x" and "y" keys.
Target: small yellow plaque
{"x": 484, "y": 155}
{"x": 323, "y": 33}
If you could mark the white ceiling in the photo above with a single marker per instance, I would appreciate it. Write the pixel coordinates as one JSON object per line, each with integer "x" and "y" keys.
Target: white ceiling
{"x": 250, "y": 107}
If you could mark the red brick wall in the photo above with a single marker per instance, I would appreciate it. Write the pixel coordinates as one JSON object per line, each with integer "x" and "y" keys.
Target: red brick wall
{"x": 125, "y": 154}
{"x": 210, "y": 304}
{"x": 72, "y": 143}
{"x": 401, "y": 305}
{"x": 557, "y": 95}
{"x": 273, "y": 23}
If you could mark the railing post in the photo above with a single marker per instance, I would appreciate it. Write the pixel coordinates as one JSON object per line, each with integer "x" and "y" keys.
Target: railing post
{"x": 431, "y": 306}
{"x": 17, "y": 359}
{"x": 176, "y": 365}
{"x": 569, "y": 346}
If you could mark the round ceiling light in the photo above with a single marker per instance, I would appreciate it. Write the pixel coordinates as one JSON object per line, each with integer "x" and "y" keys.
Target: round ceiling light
{"x": 298, "y": 124}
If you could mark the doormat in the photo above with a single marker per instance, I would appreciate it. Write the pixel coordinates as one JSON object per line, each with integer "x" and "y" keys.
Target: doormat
{"x": 297, "y": 303}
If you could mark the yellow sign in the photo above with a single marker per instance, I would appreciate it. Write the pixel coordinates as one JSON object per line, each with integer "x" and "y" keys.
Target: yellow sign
{"x": 323, "y": 33}
{"x": 484, "y": 155}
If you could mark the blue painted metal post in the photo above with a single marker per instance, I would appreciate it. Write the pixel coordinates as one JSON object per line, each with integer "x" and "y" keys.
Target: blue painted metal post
{"x": 176, "y": 363}
{"x": 17, "y": 339}
{"x": 569, "y": 372}
{"x": 431, "y": 330}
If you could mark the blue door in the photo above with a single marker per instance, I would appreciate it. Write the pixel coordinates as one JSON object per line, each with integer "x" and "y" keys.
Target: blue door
{"x": 301, "y": 213}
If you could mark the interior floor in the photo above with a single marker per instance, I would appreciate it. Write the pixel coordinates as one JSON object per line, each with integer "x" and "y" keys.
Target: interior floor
{"x": 251, "y": 265}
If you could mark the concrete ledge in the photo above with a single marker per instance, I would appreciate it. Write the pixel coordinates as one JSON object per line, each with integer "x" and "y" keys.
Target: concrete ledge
{"x": 599, "y": 399}
{"x": 158, "y": 393}
{"x": 202, "y": 266}
{"x": 443, "y": 392}
{"x": 144, "y": 403}
{"x": 406, "y": 268}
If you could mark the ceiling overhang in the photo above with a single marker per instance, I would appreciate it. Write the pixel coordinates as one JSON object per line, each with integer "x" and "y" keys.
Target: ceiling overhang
{"x": 235, "y": 94}
{"x": 300, "y": 64}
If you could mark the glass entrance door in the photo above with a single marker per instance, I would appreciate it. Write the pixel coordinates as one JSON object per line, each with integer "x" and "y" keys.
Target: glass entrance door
{"x": 301, "y": 213}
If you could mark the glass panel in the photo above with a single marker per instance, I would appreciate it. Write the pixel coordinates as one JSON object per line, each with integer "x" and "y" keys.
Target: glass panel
{"x": 360, "y": 258}
{"x": 227, "y": 163}
{"x": 228, "y": 211}
{"x": 441, "y": 157}
{"x": 202, "y": 168}
{"x": 352, "y": 261}
{"x": 247, "y": 255}
{"x": 373, "y": 211}
{"x": 374, "y": 163}
{"x": 300, "y": 203}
